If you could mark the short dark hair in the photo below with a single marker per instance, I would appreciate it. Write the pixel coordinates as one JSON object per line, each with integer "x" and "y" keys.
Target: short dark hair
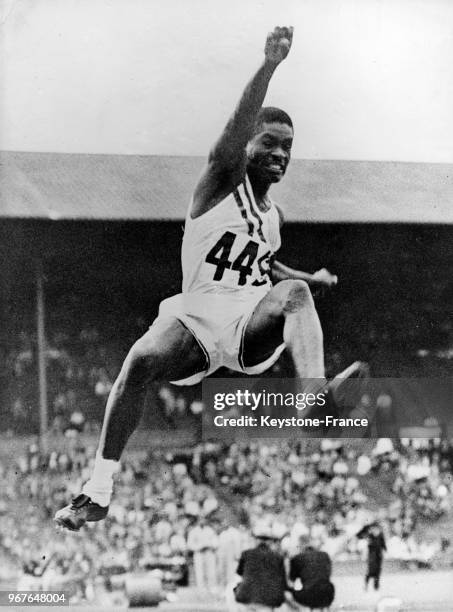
{"x": 272, "y": 114}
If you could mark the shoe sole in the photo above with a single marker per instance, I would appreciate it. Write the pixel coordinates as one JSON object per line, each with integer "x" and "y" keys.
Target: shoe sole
{"x": 66, "y": 524}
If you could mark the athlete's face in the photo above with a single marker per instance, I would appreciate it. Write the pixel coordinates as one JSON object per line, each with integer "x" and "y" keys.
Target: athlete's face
{"x": 269, "y": 151}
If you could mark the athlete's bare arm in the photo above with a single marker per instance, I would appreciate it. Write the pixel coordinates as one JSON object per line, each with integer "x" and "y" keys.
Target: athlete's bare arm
{"x": 226, "y": 164}
{"x": 320, "y": 279}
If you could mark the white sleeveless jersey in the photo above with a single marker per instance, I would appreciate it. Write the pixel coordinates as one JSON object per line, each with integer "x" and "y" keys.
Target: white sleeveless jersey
{"x": 230, "y": 247}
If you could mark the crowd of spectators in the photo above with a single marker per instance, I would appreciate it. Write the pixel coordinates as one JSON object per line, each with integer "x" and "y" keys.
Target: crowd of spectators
{"x": 82, "y": 367}
{"x": 197, "y": 509}
{"x": 327, "y": 490}
{"x": 155, "y": 504}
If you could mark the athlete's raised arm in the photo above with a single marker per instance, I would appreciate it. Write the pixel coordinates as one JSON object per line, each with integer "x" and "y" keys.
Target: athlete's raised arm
{"x": 226, "y": 164}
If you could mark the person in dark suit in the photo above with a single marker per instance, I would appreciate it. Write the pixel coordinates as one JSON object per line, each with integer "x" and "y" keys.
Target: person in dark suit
{"x": 376, "y": 547}
{"x": 262, "y": 569}
{"x": 313, "y": 568}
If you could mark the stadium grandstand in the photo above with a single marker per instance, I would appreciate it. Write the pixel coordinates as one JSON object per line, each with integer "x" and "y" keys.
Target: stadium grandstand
{"x": 89, "y": 246}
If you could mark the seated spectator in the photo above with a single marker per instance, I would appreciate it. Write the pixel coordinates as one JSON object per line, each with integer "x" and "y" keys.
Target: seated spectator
{"x": 262, "y": 570}
{"x": 312, "y": 568}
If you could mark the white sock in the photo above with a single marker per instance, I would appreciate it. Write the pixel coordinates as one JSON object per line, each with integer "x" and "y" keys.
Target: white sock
{"x": 100, "y": 486}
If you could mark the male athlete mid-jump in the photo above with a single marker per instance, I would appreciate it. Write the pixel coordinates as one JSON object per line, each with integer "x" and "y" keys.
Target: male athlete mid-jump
{"x": 239, "y": 307}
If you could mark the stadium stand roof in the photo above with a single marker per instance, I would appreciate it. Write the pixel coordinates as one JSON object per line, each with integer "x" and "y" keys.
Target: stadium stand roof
{"x": 85, "y": 186}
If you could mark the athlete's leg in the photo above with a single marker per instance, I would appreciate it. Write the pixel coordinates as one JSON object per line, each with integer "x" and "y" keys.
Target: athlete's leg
{"x": 287, "y": 314}
{"x": 168, "y": 351}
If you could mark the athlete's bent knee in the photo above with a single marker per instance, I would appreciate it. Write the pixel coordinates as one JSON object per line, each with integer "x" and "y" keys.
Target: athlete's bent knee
{"x": 295, "y": 295}
{"x": 142, "y": 362}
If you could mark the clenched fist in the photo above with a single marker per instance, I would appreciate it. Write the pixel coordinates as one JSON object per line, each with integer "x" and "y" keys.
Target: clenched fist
{"x": 278, "y": 44}
{"x": 323, "y": 278}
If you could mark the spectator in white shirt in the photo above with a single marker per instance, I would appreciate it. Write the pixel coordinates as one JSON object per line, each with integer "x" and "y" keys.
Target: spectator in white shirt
{"x": 202, "y": 541}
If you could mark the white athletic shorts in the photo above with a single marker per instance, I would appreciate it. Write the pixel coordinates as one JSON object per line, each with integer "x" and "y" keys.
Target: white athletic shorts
{"x": 218, "y": 324}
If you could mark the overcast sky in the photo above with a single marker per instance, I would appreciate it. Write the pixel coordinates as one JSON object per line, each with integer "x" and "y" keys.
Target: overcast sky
{"x": 365, "y": 79}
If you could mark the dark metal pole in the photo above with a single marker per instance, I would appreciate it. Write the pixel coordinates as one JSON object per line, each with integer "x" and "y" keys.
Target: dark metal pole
{"x": 42, "y": 348}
